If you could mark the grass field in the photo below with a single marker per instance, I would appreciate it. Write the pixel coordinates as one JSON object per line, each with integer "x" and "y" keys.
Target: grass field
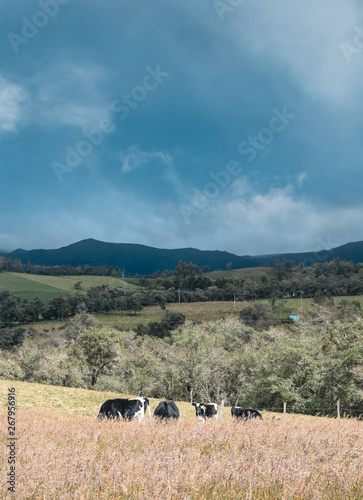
{"x": 63, "y": 452}
{"x": 194, "y": 311}
{"x": 210, "y": 311}
{"x": 28, "y": 286}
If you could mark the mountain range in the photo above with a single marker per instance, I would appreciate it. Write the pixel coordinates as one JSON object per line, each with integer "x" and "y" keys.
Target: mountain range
{"x": 141, "y": 259}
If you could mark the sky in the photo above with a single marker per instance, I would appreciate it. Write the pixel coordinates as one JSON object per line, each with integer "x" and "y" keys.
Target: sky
{"x": 230, "y": 125}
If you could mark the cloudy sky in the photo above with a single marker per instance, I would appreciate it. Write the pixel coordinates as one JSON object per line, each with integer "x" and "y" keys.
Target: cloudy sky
{"x": 234, "y": 125}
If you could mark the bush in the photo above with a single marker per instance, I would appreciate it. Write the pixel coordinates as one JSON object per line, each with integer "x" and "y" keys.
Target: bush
{"x": 11, "y": 337}
{"x": 169, "y": 321}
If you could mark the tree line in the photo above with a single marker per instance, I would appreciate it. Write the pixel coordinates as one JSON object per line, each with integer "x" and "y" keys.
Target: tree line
{"x": 308, "y": 366}
{"x": 16, "y": 266}
{"x": 284, "y": 279}
{"x": 336, "y": 277}
{"x": 190, "y": 284}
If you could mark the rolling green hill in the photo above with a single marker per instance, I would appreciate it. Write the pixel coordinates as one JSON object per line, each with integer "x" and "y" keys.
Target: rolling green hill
{"x": 28, "y": 286}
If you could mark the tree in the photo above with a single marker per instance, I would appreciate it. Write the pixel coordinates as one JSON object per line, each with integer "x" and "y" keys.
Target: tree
{"x": 96, "y": 349}
{"x": 81, "y": 322}
{"x": 59, "y": 308}
{"x": 169, "y": 321}
{"x": 258, "y": 316}
{"x": 283, "y": 267}
{"x": 78, "y": 285}
{"x": 342, "y": 376}
{"x": 11, "y": 337}
{"x": 187, "y": 276}
{"x": 132, "y": 303}
{"x": 9, "y": 308}
{"x": 32, "y": 309}
{"x": 192, "y": 368}
{"x": 172, "y": 320}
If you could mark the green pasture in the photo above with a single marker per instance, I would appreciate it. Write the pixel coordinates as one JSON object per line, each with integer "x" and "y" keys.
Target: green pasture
{"x": 208, "y": 311}
{"x": 194, "y": 311}
{"x": 28, "y": 286}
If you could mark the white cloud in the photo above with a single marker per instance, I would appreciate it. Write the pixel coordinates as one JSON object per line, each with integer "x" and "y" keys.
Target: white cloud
{"x": 11, "y": 98}
{"x": 72, "y": 95}
{"x": 134, "y": 158}
{"x": 247, "y": 222}
{"x": 301, "y": 178}
{"x": 281, "y": 222}
{"x": 304, "y": 41}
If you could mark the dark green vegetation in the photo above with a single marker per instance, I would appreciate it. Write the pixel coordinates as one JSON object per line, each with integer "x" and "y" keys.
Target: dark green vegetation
{"x": 308, "y": 364}
{"x": 143, "y": 260}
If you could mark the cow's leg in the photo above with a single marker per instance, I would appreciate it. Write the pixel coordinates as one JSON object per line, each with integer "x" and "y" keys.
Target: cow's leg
{"x": 140, "y": 414}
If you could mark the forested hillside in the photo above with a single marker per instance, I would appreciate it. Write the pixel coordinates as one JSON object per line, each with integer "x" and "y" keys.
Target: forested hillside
{"x": 144, "y": 260}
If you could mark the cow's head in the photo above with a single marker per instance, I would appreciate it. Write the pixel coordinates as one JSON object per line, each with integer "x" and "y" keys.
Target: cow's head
{"x": 200, "y": 410}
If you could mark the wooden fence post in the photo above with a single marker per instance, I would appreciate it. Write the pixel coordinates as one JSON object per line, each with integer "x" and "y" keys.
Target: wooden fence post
{"x": 285, "y": 411}
{"x": 338, "y": 408}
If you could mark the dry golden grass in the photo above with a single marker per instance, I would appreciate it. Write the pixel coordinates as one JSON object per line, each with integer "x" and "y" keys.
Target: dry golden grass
{"x": 63, "y": 457}
{"x": 70, "y": 456}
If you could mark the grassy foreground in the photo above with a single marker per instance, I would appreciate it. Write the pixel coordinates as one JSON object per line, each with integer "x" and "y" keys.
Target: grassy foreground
{"x": 63, "y": 452}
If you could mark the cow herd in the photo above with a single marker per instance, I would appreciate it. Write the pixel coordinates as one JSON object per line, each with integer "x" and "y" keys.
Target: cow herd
{"x": 127, "y": 409}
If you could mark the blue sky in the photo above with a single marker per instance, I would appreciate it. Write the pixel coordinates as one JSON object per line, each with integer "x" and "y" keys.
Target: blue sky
{"x": 233, "y": 125}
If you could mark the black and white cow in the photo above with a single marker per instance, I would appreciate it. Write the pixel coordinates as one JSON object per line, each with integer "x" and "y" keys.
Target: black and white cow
{"x": 244, "y": 413}
{"x": 124, "y": 408}
{"x": 166, "y": 410}
{"x": 206, "y": 410}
